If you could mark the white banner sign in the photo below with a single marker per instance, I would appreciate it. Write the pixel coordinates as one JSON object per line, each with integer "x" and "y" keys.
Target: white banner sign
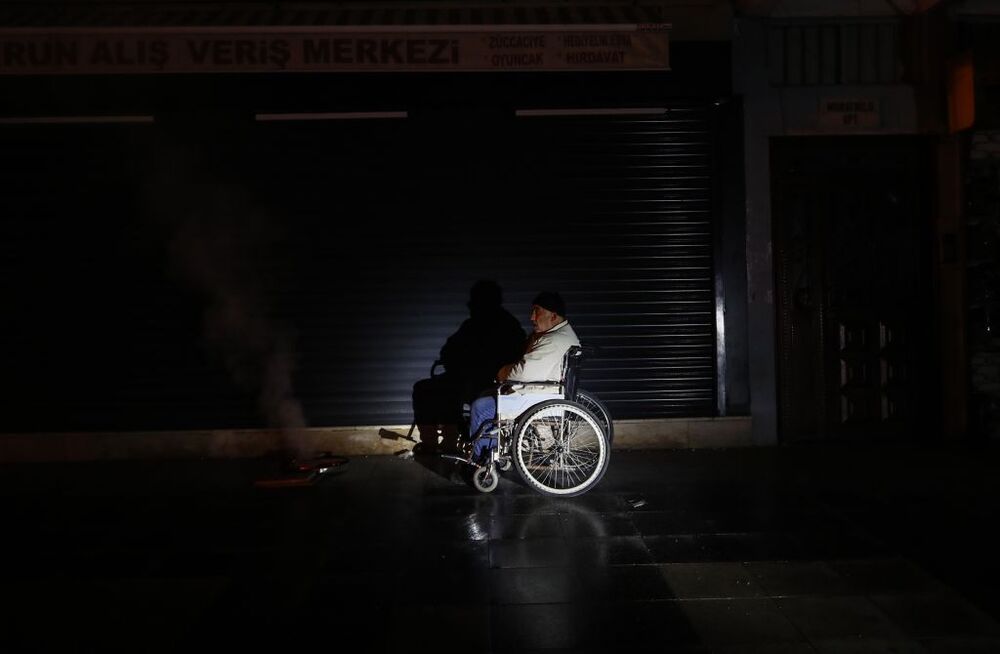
{"x": 335, "y": 49}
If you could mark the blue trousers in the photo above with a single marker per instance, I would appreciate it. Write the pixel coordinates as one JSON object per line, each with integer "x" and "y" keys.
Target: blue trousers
{"x": 481, "y": 411}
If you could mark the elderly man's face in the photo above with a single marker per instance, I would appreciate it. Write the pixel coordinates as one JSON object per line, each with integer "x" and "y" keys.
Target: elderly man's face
{"x": 543, "y": 319}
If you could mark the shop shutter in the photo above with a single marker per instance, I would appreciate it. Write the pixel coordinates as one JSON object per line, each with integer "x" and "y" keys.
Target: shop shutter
{"x": 358, "y": 240}
{"x": 614, "y": 211}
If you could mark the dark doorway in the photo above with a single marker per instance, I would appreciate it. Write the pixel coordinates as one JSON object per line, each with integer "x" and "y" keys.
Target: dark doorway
{"x": 851, "y": 235}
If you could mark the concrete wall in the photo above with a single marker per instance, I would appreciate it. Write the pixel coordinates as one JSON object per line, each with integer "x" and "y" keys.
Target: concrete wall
{"x": 982, "y": 208}
{"x": 762, "y": 118}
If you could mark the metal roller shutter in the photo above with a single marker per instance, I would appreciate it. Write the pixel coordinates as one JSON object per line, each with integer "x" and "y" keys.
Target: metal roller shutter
{"x": 636, "y": 195}
{"x": 358, "y": 240}
{"x": 614, "y": 211}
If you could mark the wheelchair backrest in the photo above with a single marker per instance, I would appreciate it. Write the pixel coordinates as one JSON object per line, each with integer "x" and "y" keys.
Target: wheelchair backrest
{"x": 571, "y": 368}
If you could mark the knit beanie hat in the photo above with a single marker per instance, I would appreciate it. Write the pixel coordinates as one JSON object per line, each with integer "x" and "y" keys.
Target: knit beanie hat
{"x": 551, "y": 301}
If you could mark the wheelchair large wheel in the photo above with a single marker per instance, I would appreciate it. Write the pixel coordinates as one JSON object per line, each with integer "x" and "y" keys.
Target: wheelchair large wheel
{"x": 595, "y": 406}
{"x": 560, "y": 448}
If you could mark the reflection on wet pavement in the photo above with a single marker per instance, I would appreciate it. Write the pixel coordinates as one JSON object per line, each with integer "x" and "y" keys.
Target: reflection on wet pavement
{"x": 807, "y": 549}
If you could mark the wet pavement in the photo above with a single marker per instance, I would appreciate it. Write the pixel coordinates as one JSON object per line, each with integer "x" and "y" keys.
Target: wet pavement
{"x": 847, "y": 548}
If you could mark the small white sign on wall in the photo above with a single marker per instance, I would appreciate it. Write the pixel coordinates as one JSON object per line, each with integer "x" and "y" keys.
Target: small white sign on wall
{"x": 847, "y": 114}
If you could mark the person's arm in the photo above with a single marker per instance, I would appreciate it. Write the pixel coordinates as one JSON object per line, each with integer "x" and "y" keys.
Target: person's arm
{"x": 504, "y": 373}
{"x": 537, "y": 364}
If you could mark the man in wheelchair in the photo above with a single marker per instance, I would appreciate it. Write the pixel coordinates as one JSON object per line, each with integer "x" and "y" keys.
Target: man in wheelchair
{"x": 542, "y": 361}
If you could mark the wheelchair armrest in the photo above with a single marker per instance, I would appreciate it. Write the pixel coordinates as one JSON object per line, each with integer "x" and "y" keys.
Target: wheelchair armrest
{"x": 507, "y": 388}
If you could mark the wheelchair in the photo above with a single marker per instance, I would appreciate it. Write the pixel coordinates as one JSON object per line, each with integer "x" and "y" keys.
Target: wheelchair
{"x": 556, "y": 436}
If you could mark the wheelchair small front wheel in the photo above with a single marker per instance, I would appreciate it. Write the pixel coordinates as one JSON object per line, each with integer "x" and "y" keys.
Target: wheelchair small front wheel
{"x": 485, "y": 479}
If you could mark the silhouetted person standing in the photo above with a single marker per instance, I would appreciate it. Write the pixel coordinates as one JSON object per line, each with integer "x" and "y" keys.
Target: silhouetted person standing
{"x": 490, "y": 338}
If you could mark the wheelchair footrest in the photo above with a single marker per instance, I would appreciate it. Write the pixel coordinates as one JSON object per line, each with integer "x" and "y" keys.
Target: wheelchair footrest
{"x": 460, "y": 459}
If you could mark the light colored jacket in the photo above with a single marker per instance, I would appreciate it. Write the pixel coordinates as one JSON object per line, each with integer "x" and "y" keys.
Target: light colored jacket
{"x": 543, "y": 358}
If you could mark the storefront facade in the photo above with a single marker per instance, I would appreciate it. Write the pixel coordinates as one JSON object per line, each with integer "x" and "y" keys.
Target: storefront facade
{"x": 240, "y": 221}
{"x": 856, "y": 249}
{"x": 282, "y": 216}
